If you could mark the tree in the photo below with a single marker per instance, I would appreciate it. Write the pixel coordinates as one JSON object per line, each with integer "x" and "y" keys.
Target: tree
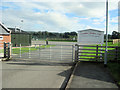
{"x": 66, "y": 35}
{"x": 115, "y": 35}
{"x": 73, "y": 33}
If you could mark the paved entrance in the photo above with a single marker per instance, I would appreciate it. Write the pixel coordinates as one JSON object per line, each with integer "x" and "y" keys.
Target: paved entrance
{"x": 48, "y": 67}
{"x": 34, "y": 74}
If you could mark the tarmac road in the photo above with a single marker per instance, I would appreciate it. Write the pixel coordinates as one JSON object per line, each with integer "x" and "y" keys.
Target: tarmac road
{"x": 35, "y": 73}
{"x": 41, "y": 74}
{"x": 22, "y": 74}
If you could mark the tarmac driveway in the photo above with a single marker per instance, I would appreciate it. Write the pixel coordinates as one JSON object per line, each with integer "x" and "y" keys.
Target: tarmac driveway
{"x": 38, "y": 71}
{"x": 91, "y": 75}
{"x": 23, "y": 74}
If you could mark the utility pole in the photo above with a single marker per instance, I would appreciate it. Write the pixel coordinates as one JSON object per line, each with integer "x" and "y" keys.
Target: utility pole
{"x": 15, "y": 28}
{"x": 21, "y": 25}
{"x": 105, "y": 58}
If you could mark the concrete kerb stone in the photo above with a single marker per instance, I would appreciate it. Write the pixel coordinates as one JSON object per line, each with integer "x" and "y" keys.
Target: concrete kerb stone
{"x": 4, "y": 59}
{"x": 1, "y": 55}
{"x": 71, "y": 77}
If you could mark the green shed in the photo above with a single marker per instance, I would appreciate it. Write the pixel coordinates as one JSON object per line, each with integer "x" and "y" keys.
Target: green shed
{"x": 20, "y": 37}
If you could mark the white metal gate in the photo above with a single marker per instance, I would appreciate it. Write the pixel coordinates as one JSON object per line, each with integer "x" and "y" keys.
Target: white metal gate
{"x": 44, "y": 53}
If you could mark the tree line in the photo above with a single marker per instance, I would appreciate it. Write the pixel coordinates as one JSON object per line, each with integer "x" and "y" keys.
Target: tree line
{"x": 67, "y": 35}
{"x": 44, "y": 34}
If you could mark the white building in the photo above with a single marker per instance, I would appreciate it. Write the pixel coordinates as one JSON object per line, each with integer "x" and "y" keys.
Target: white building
{"x": 90, "y": 36}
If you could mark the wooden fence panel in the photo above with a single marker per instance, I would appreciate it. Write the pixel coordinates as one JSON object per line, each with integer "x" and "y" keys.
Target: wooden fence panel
{"x": 83, "y": 53}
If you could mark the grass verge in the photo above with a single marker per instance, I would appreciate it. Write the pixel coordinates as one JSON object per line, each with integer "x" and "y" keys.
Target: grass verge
{"x": 1, "y": 50}
{"x": 26, "y": 49}
{"x": 114, "y": 69}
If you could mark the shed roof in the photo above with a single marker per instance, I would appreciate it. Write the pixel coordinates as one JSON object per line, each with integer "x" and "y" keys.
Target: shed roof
{"x": 17, "y": 31}
{"x": 4, "y": 29}
{"x": 91, "y": 30}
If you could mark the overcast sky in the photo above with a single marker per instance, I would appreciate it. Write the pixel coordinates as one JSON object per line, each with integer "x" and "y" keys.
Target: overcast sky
{"x": 61, "y": 16}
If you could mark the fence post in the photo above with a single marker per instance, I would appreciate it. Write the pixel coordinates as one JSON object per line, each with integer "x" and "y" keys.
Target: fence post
{"x": 76, "y": 52}
{"x": 39, "y": 46}
{"x": 8, "y": 51}
{"x": 61, "y": 52}
{"x": 35, "y": 45}
{"x": 29, "y": 51}
{"x": 20, "y": 50}
{"x": 11, "y": 50}
{"x": 72, "y": 52}
{"x": 39, "y": 50}
{"x": 4, "y": 50}
{"x": 50, "y": 53}
{"x": 116, "y": 52}
{"x": 96, "y": 52}
{"x": 101, "y": 53}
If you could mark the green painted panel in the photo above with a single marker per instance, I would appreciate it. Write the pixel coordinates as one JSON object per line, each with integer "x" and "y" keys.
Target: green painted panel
{"x": 23, "y": 39}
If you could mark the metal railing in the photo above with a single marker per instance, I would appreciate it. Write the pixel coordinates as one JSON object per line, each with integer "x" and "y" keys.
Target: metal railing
{"x": 7, "y": 50}
{"x": 44, "y": 52}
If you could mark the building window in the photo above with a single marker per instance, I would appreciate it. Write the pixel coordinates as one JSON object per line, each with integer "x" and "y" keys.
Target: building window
{"x": 1, "y": 37}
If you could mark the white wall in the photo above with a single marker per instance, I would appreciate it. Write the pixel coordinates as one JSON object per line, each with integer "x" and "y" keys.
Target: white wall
{"x": 90, "y": 37}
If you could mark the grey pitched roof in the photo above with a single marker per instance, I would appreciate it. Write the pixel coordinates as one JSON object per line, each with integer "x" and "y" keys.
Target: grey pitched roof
{"x": 3, "y": 29}
{"x": 91, "y": 30}
{"x": 17, "y": 31}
